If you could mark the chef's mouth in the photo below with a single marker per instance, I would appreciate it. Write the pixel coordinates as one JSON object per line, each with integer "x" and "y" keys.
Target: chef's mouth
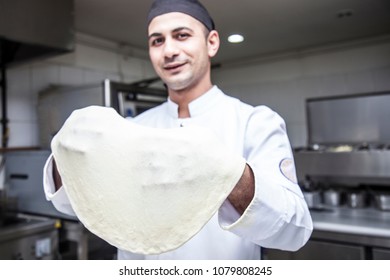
{"x": 173, "y": 66}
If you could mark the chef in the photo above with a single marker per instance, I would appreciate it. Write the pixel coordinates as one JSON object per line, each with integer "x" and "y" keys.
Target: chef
{"x": 266, "y": 208}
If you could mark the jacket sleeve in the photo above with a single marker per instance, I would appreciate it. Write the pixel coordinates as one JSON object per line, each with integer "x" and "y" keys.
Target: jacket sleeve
{"x": 59, "y": 198}
{"x": 278, "y": 216}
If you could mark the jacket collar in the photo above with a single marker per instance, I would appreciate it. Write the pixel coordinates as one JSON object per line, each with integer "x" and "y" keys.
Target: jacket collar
{"x": 199, "y": 106}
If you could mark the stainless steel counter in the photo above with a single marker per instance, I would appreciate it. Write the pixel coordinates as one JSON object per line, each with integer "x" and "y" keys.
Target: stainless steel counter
{"x": 28, "y": 238}
{"x": 343, "y": 233}
{"x": 364, "y": 221}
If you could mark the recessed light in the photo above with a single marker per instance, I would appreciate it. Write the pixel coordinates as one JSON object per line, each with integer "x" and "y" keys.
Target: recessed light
{"x": 235, "y": 38}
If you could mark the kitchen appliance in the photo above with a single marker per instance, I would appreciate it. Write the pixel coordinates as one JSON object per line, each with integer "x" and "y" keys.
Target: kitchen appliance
{"x": 56, "y": 103}
{"x": 30, "y": 30}
{"x": 347, "y": 158}
{"x": 28, "y": 223}
{"x": 25, "y": 236}
{"x": 135, "y": 98}
{"x": 357, "y": 199}
{"x": 24, "y": 197}
{"x": 29, "y": 238}
{"x": 313, "y": 199}
{"x": 359, "y": 121}
{"x": 348, "y": 141}
{"x": 346, "y": 161}
{"x": 24, "y": 182}
{"x": 332, "y": 197}
{"x": 382, "y": 200}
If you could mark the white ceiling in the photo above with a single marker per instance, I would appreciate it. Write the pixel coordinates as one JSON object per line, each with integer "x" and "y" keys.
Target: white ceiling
{"x": 269, "y": 26}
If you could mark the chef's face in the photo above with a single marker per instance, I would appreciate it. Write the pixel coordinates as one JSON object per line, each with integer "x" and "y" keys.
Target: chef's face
{"x": 180, "y": 48}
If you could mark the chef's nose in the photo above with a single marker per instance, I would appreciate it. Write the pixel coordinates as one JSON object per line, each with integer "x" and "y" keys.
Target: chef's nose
{"x": 171, "y": 48}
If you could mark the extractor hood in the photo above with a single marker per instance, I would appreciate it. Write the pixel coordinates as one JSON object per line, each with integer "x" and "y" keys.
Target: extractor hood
{"x": 31, "y": 29}
{"x": 35, "y": 28}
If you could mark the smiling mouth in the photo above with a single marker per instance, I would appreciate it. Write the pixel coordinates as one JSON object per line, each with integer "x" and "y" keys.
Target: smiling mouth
{"x": 173, "y": 66}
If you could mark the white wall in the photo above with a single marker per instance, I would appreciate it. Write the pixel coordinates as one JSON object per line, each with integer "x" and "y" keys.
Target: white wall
{"x": 283, "y": 83}
{"x": 93, "y": 61}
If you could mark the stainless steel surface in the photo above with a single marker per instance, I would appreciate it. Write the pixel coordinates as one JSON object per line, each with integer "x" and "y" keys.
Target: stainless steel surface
{"x": 320, "y": 250}
{"x": 352, "y": 119}
{"x": 332, "y": 197}
{"x": 348, "y": 168}
{"x": 8, "y": 205}
{"x": 86, "y": 244}
{"x": 77, "y": 233}
{"x": 28, "y": 238}
{"x": 349, "y": 141}
{"x": 357, "y": 199}
{"x": 344, "y": 233}
{"x": 359, "y": 221}
{"x": 132, "y": 99}
{"x": 24, "y": 178}
{"x": 382, "y": 201}
{"x": 369, "y": 241}
{"x": 30, "y": 29}
{"x": 348, "y": 160}
{"x": 313, "y": 198}
{"x": 380, "y": 254}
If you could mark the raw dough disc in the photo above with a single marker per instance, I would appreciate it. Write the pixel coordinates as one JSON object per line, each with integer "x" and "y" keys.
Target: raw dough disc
{"x": 141, "y": 189}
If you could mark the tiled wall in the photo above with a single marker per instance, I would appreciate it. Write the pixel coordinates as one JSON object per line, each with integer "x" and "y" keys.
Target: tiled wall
{"x": 87, "y": 65}
{"x": 284, "y": 83}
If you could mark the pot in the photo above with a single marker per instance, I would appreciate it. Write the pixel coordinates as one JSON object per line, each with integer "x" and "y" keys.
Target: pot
{"x": 382, "y": 201}
{"x": 332, "y": 197}
{"x": 312, "y": 198}
{"x": 357, "y": 199}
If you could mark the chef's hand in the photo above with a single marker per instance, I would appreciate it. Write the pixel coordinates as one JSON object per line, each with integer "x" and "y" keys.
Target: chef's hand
{"x": 244, "y": 191}
{"x": 56, "y": 176}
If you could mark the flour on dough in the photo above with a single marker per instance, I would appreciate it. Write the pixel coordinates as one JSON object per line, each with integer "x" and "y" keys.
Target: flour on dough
{"x": 143, "y": 190}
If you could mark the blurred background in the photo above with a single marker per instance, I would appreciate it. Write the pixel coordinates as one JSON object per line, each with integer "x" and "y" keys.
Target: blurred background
{"x": 324, "y": 66}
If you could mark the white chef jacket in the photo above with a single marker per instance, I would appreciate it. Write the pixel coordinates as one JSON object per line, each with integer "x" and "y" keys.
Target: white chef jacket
{"x": 277, "y": 217}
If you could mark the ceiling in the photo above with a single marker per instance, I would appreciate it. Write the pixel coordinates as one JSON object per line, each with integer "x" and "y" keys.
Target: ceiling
{"x": 270, "y": 26}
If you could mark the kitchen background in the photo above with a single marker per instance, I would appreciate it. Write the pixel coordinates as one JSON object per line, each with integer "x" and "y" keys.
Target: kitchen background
{"x": 282, "y": 80}
{"x": 283, "y": 83}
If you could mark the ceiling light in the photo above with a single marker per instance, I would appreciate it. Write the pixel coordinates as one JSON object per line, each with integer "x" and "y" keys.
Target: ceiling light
{"x": 235, "y": 38}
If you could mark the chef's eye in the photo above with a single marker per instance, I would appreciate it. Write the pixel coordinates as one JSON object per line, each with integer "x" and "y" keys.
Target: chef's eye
{"x": 182, "y": 36}
{"x": 156, "y": 41}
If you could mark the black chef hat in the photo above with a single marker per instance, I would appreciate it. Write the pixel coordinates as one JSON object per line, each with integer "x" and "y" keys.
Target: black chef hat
{"x": 190, "y": 7}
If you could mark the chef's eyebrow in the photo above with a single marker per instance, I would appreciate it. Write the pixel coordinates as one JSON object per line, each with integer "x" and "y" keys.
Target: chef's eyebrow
{"x": 178, "y": 29}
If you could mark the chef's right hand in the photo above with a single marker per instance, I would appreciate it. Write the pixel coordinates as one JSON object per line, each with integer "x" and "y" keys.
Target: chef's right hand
{"x": 56, "y": 176}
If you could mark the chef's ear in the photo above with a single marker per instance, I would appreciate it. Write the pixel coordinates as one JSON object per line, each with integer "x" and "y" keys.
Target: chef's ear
{"x": 213, "y": 43}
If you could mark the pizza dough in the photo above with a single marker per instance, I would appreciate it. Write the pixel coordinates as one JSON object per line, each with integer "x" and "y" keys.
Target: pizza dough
{"x": 141, "y": 189}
